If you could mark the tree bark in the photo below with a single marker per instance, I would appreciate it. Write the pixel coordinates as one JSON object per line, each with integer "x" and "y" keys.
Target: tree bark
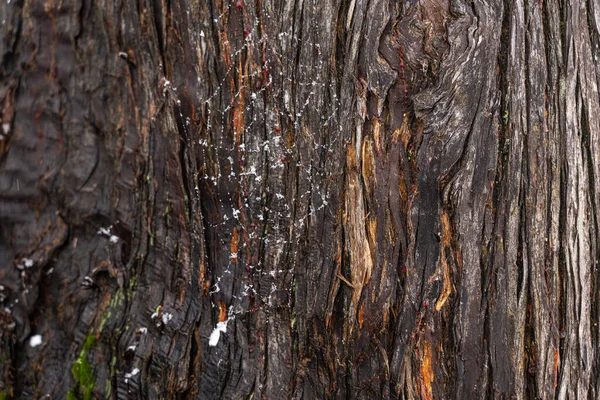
{"x": 266, "y": 199}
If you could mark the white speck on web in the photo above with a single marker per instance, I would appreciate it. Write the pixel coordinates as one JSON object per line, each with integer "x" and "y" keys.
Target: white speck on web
{"x": 131, "y": 374}
{"x": 216, "y": 333}
{"x": 166, "y": 86}
{"x": 35, "y": 340}
{"x": 216, "y": 287}
{"x": 114, "y": 239}
{"x": 104, "y": 231}
{"x": 87, "y": 281}
{"x": 28, "y": 262}
{"x": 166, "y": 317}
{"x": 6, "y": 128}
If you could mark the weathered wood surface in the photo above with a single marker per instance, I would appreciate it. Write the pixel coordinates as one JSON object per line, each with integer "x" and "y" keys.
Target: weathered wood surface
{"x": 375, "y": 199}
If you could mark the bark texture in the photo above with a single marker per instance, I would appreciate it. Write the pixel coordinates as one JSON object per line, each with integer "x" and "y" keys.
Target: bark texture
{"x": 292, "y": 199}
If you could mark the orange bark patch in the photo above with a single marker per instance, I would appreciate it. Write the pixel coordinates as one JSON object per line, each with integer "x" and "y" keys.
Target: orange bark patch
{"x": 368, "y": 165}
{"x": 361, "y": 314}
{"x": 445, "y": 244}
{"x": 372, "y": 238}
{"x": 377, "y": 136}
{"x": 403, "y": 133}
{"x": 222, "y": 312}
{"x": 201, "y": 276}
{"x": 426, "y": 372}
{"x": 556, "y": 362}
{"x": 182, "y": 296}
{"x": 225, "y": 48}
{"x": 233, "y": 245}
{"x": 238, "y": 121}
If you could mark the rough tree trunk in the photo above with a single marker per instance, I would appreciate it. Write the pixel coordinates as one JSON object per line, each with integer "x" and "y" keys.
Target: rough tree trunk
{"x": 375, "y": 199}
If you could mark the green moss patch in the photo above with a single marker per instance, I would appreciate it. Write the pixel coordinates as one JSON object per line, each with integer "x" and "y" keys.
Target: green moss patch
{"x": 82, "y": 371}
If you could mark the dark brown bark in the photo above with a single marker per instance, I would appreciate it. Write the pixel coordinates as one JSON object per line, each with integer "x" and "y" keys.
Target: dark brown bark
{"x": 295, "y": 199}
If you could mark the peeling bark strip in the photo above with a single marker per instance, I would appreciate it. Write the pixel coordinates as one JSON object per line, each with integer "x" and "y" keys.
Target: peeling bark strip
{"x": 291, "y": 199}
